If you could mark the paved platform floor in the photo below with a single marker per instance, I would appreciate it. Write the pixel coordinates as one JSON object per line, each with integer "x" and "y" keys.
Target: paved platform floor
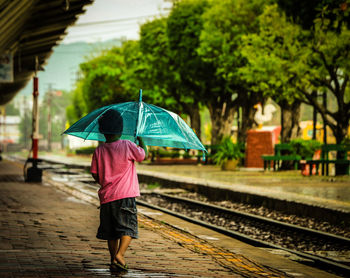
{"x": 45, "y": 232}
{"x": 323, "y": 191}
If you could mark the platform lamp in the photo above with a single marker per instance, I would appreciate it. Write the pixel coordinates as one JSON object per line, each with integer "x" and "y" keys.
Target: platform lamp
{"x": 34, "y": 174}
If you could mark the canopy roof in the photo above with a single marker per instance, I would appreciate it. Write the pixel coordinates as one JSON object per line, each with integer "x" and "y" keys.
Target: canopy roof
{"x": 29, "y": 29}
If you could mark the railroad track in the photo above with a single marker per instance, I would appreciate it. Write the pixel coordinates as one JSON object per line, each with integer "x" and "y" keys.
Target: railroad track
{"x": 253, "y": 229}
{"x": 250, "y": 225}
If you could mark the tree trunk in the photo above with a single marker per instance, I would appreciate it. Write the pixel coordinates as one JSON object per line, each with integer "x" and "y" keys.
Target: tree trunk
{"x": 248, "y": 122}
{"x": 290, "y": 117}
{"x": 247, "y": 102}
{"x": 195, "y": 118}
{"x": 222, "y": 118}
{"x": 340, "y": 132}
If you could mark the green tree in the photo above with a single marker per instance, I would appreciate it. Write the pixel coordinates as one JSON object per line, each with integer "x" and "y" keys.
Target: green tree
{"x": 77, "y": 107}
{"x": 194, "y": 78}
{"x": 274, "y": 59}
{"x": 25, "y": 129}
{"x": 294, "y": 65}
{"x": 52, "y": 112}
{"x": 161, "y": 74}
{"x": 328, "y": 65}
{"x": 11, "y": 110}
{"x": 199, "y": 78}
{"x": 225, "y": 24}
{"x": 147, "y": 65}
{"x": 305, "y": 12}
{"x": 103, "y": 80}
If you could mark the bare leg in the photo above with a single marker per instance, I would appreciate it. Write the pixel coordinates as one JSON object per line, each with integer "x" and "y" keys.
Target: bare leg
{"x": 113, "y": 248}
{"x": 123, "y": 246}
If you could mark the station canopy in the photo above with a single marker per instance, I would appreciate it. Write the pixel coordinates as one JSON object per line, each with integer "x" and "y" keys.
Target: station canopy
{"x": 29, "y": 29}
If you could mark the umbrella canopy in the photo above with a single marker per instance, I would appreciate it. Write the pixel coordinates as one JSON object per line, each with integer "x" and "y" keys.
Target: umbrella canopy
{"x": 156, "y": 126}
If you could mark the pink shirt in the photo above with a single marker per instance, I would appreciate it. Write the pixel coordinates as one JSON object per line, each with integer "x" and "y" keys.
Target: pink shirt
{"x": 114, "y": 164}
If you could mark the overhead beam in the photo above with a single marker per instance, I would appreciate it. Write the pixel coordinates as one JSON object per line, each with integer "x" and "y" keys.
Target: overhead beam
{"x": 42, "y": 30}
{"x": 13, "y": 17}
{"x": 30, "y": 29}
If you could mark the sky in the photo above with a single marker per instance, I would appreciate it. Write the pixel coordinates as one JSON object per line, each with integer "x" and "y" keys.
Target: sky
{"x": 127, "y": 15}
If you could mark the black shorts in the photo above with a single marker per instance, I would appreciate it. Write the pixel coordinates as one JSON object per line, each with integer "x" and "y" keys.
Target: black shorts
{"x": 117, "y": 219}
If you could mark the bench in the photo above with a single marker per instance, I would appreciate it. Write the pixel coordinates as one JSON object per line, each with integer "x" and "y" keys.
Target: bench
{"x": 283, "y": 152}
{"x": 324, "y": 161}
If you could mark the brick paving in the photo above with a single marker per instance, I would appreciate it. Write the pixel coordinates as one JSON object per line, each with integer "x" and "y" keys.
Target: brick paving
{"x": 48, "y": 233}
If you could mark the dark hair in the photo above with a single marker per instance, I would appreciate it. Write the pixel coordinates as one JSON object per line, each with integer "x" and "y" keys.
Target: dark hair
{"x": 110, "y": 122}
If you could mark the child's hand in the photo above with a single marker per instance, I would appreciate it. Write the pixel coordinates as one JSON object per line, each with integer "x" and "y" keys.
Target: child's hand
{"x": 142, "y": 144}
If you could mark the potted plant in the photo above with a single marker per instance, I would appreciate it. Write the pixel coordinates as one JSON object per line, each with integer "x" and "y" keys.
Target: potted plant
{"x": 228, "y": 154}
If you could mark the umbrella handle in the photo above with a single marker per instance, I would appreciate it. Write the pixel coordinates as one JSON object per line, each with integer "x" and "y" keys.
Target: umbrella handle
{"x": 138, "y": 116}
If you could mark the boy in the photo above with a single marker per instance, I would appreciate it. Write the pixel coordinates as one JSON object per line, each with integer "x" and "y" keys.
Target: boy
{"x": 113, "y": 168}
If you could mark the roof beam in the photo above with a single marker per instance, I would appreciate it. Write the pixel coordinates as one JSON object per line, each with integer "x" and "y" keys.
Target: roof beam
{"x": 41, "y": 30}
{"x": 13, "y": 19}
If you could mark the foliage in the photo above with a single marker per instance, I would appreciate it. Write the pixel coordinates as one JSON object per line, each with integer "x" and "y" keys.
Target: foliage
{"x": 187, "y": 154}
{"x": 11, "y": 110}
{"x": 167, "y": 153}
{"x": 305, "y": 12}
{"x": 103, "y": 80}
{"x": 25, "y": 128}
{"x": 273, "y": 55}
{"x": 152, "y": 186}
{"x": 196, "y": 77}
{"x": 305, "y": 148}
{"x": 328, "y": 59}
{"x": 227, "y": 150}
{"x": 290, "y": 64}
{"x": 77, "y": 108}
{"x": 346, "y": 140}
{"x": 57, "y": 102}
{"x": 157, "y": 72}
{"x": 85, "y": 150}
{"x": 226, "y": 22}
{"x": 229, "y": 54}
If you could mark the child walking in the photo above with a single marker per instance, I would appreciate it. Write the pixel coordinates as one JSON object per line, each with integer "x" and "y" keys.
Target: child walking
{"x": 113, "y": 167}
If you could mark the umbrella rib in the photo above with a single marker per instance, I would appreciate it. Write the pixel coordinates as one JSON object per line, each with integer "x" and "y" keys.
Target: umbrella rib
{"x": 95, "y": 121}
{"x": 149, "y": 107}
{"x": 182, "y": 131}
{"x": 176, "y": 125}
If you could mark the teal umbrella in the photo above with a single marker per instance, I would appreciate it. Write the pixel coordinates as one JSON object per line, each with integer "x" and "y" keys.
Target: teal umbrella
{"x": 157, "y": 126}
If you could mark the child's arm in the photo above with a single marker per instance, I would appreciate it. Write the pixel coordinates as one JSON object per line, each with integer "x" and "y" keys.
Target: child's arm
{"x": 95, "y": 176}
{"x": 142, "y": 145}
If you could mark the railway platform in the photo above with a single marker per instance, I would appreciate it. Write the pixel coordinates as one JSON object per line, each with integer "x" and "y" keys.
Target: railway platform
{"x": 48, "y": 230}
{"x": 333, "y": 192}
{"x": 49, "y": 233}
{"x": 315, "y": 196}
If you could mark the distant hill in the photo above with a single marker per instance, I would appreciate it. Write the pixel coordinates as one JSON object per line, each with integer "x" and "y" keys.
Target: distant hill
{"x": 61, "y": 68}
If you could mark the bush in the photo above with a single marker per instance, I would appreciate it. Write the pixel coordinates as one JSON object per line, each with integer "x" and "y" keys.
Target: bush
{"x": 346, "y": 140}
{"x": 167, "y": 153}
{"x": 305, "y": 148}
{"x": 187, "y": 154}
{"x": 85, "y": 150}
{"x": 227, "y": 150}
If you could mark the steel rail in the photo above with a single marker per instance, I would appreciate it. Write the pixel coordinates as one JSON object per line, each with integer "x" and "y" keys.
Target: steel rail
{"x": 262, "y": 219}
{"x": 318, "y": 261}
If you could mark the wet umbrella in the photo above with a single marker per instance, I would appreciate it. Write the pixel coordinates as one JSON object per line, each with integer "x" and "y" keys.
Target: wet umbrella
{"x": 155, "y": 125}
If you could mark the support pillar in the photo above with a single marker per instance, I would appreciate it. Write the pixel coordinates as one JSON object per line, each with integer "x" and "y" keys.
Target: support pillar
{"x": 34, "y": 174}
